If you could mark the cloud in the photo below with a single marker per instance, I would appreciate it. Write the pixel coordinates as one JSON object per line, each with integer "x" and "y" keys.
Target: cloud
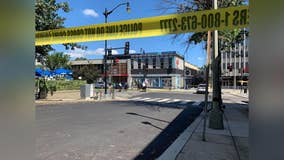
{"x": 132, "y": 51}
{"x": 101, "y": 51}
{"x": 90, "y": 12}
{"x": 78, "y": 52}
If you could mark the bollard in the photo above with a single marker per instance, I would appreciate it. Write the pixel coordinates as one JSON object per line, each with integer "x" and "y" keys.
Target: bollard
{"x": 112, "y": 93}
{"x": 100, "y": 97}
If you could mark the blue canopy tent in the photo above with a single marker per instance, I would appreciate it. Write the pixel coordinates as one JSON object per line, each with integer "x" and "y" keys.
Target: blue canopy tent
{"x": 42, "y": 73}
{"x": 39, "y": 72}
{"x": 46, "y": 73}
{"x": 62, "y": 71}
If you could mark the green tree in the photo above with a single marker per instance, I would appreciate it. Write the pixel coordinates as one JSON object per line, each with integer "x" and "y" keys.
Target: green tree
{"x": 57, "y": 60}
{"x": 80, "y": 58}
{"x": 183, "y": 6}
{"x": 87, "y": 74}
{"x": 46, "y": 18}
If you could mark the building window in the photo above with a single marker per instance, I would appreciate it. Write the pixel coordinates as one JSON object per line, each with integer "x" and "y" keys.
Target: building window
{"x": 132, "y": 63}
{"x": 154, "y": 62}
{"x": 162, "y": 62}
{"x": 170, "y": 62}
{"x": 224, "y": 66}
{"x": 246, "y": 53}
{"x": 237, "y": 65}
{"x": 228, "y": 55}
{"x": 139, "y": 63}
{"x": 146, "y": 62}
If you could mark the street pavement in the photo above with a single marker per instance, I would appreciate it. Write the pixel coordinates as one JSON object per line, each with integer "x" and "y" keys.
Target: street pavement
{"x": 142, "y": 127}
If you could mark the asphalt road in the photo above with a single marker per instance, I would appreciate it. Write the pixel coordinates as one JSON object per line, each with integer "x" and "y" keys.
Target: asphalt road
{"x": 141, "y": 128}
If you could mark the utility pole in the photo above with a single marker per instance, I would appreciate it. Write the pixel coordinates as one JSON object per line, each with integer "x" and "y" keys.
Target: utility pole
{"x": 235, "y": 66}
{"x": 206, "y": 79}
{"x": 216, "y": 115}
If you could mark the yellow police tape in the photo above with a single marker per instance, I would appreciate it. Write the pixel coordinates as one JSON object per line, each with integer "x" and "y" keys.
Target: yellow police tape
{"x": 221, "y": 19}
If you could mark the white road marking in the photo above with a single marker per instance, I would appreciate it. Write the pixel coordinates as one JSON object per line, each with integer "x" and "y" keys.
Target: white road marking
{"x": 164, "y": 100}
{"x": 152, "y": 100}
{"x": 174, "y": 100}
{"x": 144, "y": 99}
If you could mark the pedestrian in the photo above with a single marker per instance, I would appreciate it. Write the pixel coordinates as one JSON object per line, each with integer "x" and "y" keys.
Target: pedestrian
{"x": 120, "y": 86}
{"x": 144, "y": 86}
{"x": 125, "y": 86}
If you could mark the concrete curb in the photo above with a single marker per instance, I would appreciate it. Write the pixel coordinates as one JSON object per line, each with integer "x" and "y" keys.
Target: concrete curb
{"x": 172, "y": 152}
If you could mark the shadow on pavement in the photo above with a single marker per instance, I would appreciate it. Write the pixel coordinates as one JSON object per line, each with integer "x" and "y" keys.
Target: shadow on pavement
{"x": 150, "y": 124}
{"x": 135, "y": 114}
{"x": 169, "y": 134}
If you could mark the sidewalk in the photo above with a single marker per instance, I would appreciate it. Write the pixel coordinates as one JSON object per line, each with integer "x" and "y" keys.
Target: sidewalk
{"x": 228, "y": 144}
{"x": 236, "y": 92}
{"x": 73, "y": 96}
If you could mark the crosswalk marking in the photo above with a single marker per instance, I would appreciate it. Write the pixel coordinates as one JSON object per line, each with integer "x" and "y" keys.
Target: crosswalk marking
{"x": 164, "y": 100}
{"x": 144, "y": 99}
{"x": 152, "y": 100}
{"x": 174, "y": 100}
{"x": 180, "y": 102}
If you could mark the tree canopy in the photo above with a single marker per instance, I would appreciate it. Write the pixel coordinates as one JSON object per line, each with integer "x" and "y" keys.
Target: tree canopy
{"x": 46, "y": 18}
{"x": 80, "y": 58}
{"x": 182, "y": 6}
{"x": 86, "y": 73}
{"x": 57, "y": 60}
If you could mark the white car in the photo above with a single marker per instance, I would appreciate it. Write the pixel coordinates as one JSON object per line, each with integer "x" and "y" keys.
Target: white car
{"x": 100, "y": 85}
{"x": 201, "y": 88}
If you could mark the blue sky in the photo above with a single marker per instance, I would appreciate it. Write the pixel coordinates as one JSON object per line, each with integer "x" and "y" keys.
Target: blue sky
{"x": 87, "y": 12}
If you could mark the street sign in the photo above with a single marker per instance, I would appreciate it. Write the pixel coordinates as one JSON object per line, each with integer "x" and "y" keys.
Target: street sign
{"x": 199, "y": 21}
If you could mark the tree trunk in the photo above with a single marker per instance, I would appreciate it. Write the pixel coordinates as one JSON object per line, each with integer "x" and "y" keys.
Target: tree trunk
{"x": 216, "y": 114}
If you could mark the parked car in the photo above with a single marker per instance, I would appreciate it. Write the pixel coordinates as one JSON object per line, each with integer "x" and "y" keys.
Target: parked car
{"x": 117, "y": 86}
{"x": 201, "y": 88}
{"x": 100, "y": 85}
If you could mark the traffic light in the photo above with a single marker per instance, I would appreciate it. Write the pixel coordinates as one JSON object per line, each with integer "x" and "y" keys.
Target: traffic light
{"x": 109, "y": 52}
{"x": 126, "y": 48}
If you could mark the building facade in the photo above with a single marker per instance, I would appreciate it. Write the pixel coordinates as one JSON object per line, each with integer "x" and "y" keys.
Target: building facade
{"x": 235, "y": 67}
{"x": 157, "y": 69}
{"x": 161, "y": 70}
{"x": 191, "y": 72}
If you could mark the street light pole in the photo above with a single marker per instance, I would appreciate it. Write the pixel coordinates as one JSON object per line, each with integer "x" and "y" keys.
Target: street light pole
{"x": 106, "y": 13}
{"x": 105, "y": 58}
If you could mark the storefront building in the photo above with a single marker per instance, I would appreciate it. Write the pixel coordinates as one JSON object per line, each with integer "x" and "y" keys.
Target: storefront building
{"x": 158, "y": 69}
